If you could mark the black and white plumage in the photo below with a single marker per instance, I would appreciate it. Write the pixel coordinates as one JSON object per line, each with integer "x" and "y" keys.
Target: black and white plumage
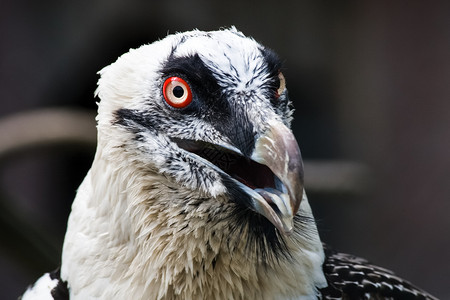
{"x": 196, "y": 189}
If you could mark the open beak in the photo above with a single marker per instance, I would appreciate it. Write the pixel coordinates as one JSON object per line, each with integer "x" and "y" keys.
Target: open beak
{"x": 272, "y": 176}
{"x": 277, "y": 149}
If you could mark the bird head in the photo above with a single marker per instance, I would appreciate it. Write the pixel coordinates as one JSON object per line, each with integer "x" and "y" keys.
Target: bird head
{"x": 210, "y": 112}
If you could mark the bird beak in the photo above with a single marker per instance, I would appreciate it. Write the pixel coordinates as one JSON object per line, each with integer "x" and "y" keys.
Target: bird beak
{"x": 277, "y": 148}
{"x": 277, "y": 151}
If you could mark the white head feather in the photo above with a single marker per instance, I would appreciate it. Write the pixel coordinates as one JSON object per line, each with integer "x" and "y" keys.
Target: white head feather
{"x": 131, "y": 235}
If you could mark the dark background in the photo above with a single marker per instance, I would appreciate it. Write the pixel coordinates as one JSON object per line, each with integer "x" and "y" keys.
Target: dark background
{"x": 370, "y": 81}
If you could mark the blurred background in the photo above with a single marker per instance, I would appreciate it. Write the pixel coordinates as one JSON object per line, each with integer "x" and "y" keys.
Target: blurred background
{"x": 370, "y": 81}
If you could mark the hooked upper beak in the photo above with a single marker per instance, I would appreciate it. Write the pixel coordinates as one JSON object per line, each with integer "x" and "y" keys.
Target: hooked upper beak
{"x": 277, "y": 149}
{"x": 277, "y": 198}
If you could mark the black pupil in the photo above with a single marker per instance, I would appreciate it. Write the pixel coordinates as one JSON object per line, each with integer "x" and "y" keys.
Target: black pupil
{"x": 178, "y": 91}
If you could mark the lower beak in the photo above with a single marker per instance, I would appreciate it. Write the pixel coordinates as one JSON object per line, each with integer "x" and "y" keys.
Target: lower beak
{"x": 277, "y": 148}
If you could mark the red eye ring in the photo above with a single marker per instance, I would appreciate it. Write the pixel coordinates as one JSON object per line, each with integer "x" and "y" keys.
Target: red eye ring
{"x": 177, "y": 92}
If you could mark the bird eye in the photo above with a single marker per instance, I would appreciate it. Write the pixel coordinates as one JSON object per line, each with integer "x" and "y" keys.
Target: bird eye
{"x": 177, "y": 92}
{"x": 282, "y": 85}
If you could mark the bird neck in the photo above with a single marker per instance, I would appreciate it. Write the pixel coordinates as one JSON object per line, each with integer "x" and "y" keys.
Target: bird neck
{"x": 137, "y": 235}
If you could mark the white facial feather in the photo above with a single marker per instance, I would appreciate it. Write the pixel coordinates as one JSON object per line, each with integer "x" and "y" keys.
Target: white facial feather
{"x": 140, "y": 230}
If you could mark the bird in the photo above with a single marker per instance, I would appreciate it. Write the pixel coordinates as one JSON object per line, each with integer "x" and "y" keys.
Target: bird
{"x": 196, "y": 190}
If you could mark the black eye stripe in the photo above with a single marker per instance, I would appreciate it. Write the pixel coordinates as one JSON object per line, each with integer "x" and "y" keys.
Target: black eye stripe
{"x": 192, "y": 68}
{"x": 201, "y": 79}
{"x": 273, "y": 62}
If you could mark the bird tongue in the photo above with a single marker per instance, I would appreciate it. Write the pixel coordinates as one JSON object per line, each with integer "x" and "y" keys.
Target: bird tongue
{"x": 278, "y": 200}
